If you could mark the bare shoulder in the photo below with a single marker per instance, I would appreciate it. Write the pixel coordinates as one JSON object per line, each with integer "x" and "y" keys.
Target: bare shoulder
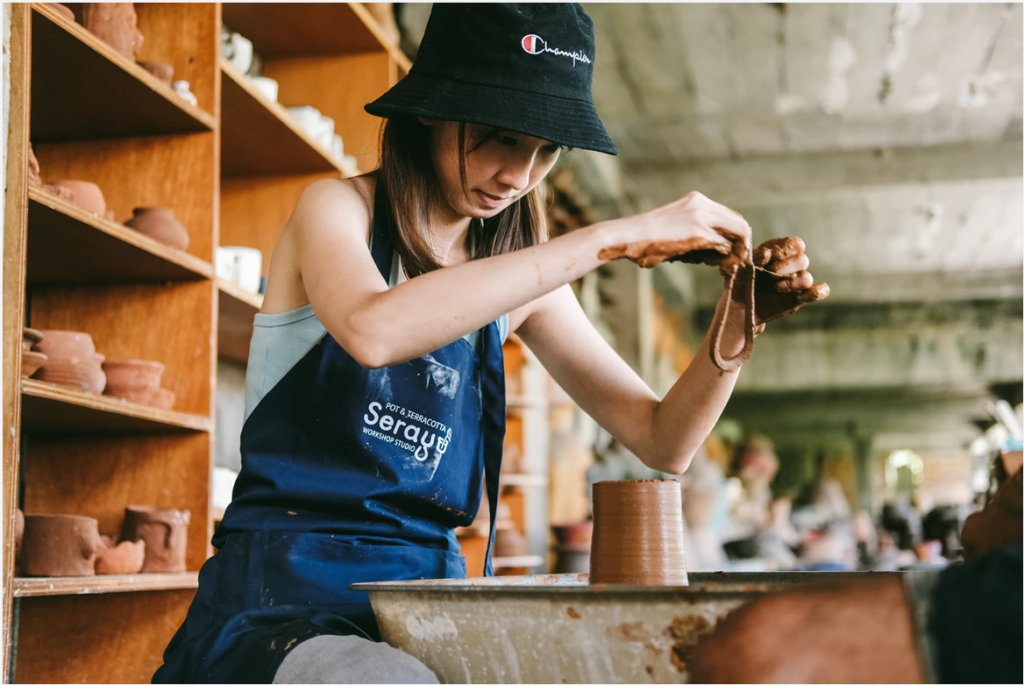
{"x": 334, "y": 204}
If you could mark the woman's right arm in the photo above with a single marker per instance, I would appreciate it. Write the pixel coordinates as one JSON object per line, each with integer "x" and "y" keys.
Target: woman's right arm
{"x": 379, "y": 326}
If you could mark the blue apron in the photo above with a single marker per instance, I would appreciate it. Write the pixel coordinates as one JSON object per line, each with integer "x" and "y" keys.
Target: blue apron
{"x": 348, "y": 475}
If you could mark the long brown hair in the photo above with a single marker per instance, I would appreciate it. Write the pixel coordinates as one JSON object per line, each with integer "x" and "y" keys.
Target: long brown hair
{"x": 407, "y": 171}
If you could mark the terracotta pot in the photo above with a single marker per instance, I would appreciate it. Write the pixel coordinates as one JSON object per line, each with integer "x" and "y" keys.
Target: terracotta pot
{"x": 85, "y": 194}
{"x": 574, "y": 533}
{"x": 509, "y": 542}
{"x": 165, "y": 531}
{"x": 115, "y": 23}
{"x": 19, "y": 534}
{"x": 162, "y": 70}
{"x": 159, "y": 223}
{"x": 30, "y": 337}
{"x": 162, "y": 398}
{"x": 35, "y": 180}
{"x": 97, "y": 379}
{"x": 125, "y": 558}
{"x": 60, "y": 545}
{"x": 70, "y": 358}
{"x": 63, "y": 10}
{"x": 62, "y": 192}
{"x": 31, "y": 362}
{"x": 572, "y": 559}
{"x": 135, "y": 380}
{"x": 638, "y": 533}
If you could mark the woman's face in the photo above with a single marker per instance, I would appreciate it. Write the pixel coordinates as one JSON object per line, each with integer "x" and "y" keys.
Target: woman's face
{"x": 501, "y": 166}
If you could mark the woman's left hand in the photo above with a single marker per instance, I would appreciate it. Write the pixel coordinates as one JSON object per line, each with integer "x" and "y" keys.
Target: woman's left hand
{"x": 782, "y": 283}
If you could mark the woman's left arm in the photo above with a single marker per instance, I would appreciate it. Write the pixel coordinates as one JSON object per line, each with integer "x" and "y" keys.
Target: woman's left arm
{"x": 665, "y": 433}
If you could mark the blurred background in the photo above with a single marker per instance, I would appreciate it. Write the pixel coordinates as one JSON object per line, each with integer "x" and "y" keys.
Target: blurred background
{"x": 887, "y": 136}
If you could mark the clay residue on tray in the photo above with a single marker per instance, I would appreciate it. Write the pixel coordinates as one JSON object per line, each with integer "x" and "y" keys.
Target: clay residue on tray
{"x": 573, "y": 613}
{"x": 634, "y": 631}
{"x": 686, "y": 633}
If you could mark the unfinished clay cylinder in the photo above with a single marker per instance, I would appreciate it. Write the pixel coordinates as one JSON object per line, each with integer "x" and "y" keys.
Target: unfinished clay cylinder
{"x": 638, "y": 533}
{"x": 160, "y": 224}
{"x": 125, "y": 558}
{"x": 60, "y": 545}
{"x": 114, "y": 23}
{"x": 165, "y": 531}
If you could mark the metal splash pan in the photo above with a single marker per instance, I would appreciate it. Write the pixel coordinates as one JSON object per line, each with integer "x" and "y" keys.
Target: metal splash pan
{"x": 562, "y": 629}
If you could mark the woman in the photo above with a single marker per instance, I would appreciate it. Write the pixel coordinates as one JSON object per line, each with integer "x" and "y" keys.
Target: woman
{"x": 375, "y": 398}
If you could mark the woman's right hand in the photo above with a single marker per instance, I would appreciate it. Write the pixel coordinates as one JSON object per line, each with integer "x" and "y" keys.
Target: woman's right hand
{"x": 696, "y": 226}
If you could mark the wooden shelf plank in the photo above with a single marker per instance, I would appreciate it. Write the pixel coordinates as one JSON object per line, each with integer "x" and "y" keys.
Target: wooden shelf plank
{"x": 67, "y": 244}
{"x": 371, "y": 24}
{"x": 512, "y": 562}
{"x": 260, "y": 138}
{"x": 523, "y": 480}
{"x": 51, "y": 408}
{"x": 84, "y": 89}
{"x": 279, "y": 30}
{"x": 98, "y": 585}
{"x": 525, "y": 402}
{"x": 237, "y": 308}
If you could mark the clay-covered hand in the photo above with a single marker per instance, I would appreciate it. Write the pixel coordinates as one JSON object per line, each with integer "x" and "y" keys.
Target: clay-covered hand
{"x": 693, "y": 229}
{"x": 782, "y": 283}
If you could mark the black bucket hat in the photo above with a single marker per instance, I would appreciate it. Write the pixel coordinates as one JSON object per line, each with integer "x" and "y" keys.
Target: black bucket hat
{"x": 523, "y": 67}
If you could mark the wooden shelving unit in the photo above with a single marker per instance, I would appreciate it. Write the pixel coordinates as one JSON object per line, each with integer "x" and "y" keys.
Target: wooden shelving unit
{"x": 260, "y": 138}
{"x": 98, "y": 585}
{"x": 232, "y": 169}
{"x": 74, "y": 246}
{"x": 51, "y": 408}
{"x": 113, "y": 96}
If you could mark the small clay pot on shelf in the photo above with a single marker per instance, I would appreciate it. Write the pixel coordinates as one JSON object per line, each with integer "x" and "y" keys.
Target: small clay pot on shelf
{"x": 160, "y": 224}
{"x": 115, "y": 23}
{"x": 30, "y": 337}
{"x": 162, "y": 398}
{"x": 121, "y": 559}
{"x": 97, "y": 379}
{"x": 162, "y": 70}
{"x": 574, "y": 533}
{"x": 85, "y": 194}
{"x": 638, "y": 533}
{"x": 60, "y": 545}
{"x": 62, "y": 10}
{"x": 165, "y": 531}
{"x": 509, "y": 542}
{"x": 31, "y": 362}
{"x": 71, "y": 359}
{"x": 135, "y": 380}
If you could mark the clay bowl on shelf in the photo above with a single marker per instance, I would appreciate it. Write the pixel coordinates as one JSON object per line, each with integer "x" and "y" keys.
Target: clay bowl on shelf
{"x": 97, "y": 379}
{"x": 86, "y": 195}
{"x": 160, "y": 224}
{"x": 162, "y": 70}
{"x": 31, "y": 362}
{"x": 123, "y": 559}
{"x": 165, "y": 531}
{"x": 162, "y": 398}
{"x": 70, "y": 359}
{"x": 30, "y": 337}
{"x": 509, "y": 542}
{"x": 60, "y": 545}
{"x": 638, "y": 533}
{"x": 574, "y": 533}
{"x": 135, "y": 380}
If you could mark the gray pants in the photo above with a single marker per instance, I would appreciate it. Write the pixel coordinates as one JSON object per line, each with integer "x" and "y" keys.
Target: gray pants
{"x": 349, "y": 659}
